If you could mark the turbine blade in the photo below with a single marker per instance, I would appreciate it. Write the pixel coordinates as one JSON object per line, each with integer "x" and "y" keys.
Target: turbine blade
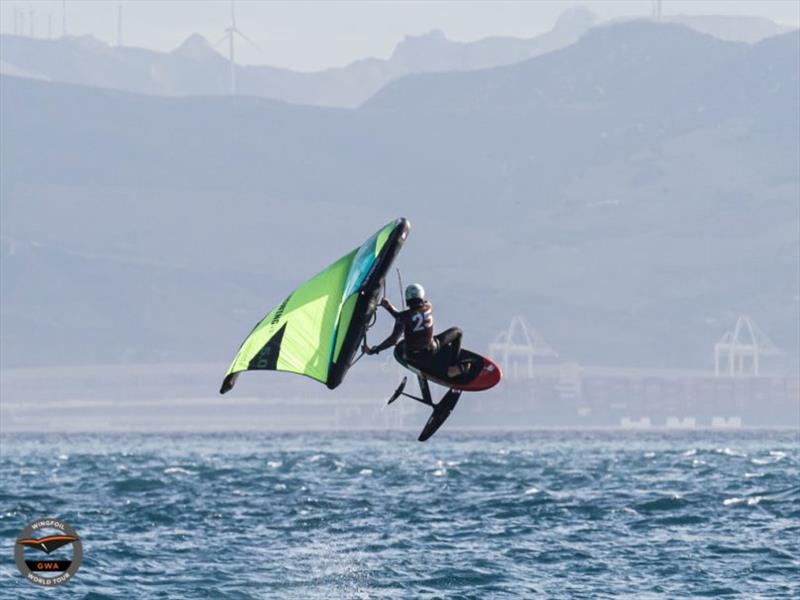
{"x": 247, "y": 39}
{"x": 224, "y": 39}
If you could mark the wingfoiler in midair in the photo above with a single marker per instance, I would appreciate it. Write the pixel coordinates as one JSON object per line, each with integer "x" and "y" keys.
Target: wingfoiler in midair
{"x": 317, "y": 330}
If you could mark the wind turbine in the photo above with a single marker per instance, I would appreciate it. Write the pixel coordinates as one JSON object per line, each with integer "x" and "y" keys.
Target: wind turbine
{"x": 119, "y": 24}
{"x": 230, "y": 36}
{"x": 657, "y": 10}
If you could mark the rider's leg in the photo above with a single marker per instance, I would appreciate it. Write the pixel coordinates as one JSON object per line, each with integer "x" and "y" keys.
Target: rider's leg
{"x": 450, "y": 339}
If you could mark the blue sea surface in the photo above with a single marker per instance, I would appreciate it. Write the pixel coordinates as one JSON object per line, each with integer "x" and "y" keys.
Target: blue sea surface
{"x": 374, "y": 515}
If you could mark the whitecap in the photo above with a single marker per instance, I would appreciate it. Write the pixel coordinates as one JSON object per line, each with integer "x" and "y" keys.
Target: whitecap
{"x": 649, "y": 454}
{"x": 440, "y": 472}
{"x": 777, "y": 454}
{"x": 274, "y": 464}
{"x": 365, "y": 472}
{"x": 175, "y": 470}
{"x": 733, "y": 501}
{"x": 698, "y": 463}
{"x": 280, "y": 486}
{"x": 690, "y": 452}
{"x": 751, "y": 475}
{"x": 63, "y": 457}
{"x": 316, "y": 458}
{"x": 729, "y": 452}
{"x": 760, "y": 461}
{"x": 531, "y": 491}
{"x": 752, "y": 501}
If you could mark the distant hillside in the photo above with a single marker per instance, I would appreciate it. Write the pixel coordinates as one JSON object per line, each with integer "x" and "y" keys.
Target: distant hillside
{"x": 735, "y": 28}
{"x": 631, "y": 194}
{"x": 641, "y": 69}
{"x": 196, "y": 68}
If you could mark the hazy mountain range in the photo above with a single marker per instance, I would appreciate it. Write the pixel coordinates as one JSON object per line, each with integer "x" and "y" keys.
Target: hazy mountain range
{"x": 196, "y": 68}
{"x": 630, "y": 193}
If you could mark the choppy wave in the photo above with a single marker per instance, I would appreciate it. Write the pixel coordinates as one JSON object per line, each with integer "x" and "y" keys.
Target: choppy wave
{"x": 556, "y": 515}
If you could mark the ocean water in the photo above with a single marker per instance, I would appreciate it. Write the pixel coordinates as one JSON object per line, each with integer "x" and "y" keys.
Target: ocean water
{"x": 369, "y": 515}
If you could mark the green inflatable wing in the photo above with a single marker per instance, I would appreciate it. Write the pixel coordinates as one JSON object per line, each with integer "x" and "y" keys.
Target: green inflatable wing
{"x": 318, "y": 329}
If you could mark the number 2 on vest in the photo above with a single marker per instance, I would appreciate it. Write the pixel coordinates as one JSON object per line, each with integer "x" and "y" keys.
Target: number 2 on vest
{"x": 422, "y": 320}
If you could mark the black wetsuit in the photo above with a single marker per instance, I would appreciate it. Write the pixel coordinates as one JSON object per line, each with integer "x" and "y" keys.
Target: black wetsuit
{"x": 423, "y": 349}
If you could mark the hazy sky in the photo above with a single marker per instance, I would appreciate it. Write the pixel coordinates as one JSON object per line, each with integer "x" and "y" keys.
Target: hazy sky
{"x": 315, "y": 35}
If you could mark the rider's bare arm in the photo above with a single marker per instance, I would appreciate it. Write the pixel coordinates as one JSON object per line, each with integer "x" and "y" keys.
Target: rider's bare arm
{"x": 385, "y": 303}
{"x": 389, "y": 341}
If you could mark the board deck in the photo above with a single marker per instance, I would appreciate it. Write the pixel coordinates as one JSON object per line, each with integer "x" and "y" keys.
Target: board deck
{"x": 482, "y": 373}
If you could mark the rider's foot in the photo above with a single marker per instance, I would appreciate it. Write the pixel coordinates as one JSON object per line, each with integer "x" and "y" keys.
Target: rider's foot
{"x": 462, "y": 368}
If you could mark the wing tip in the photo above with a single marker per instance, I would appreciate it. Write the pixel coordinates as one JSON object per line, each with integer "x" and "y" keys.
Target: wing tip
{"x": 228, "y": 382}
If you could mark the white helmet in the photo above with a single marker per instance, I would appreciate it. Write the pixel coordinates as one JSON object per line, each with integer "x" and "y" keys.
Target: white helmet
{"x": 415, "y": 292}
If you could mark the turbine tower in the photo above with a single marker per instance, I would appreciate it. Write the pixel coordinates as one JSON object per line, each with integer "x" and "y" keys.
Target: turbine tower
{"x": 230, "y": 36}
{"x": 657, "y": 10}
{"x": 119, "y": 24}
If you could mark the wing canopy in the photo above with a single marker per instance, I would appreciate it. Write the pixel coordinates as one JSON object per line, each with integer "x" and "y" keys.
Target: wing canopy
{"x": 317, "y": 329}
